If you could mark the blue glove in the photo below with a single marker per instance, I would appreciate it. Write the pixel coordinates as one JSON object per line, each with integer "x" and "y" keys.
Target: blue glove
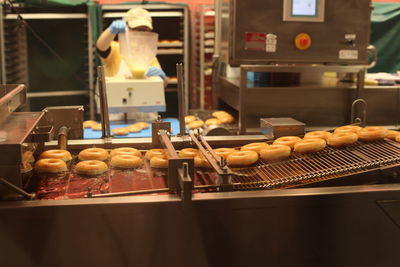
{"x": 154, "y": 71}
{"x": 117, "y": 26}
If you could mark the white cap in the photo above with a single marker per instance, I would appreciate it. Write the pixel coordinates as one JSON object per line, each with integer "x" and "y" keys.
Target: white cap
{"x": 137, "y": 17}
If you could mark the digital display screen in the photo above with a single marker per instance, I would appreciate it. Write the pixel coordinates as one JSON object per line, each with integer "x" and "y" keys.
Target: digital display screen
{"x": 304, "y": 8}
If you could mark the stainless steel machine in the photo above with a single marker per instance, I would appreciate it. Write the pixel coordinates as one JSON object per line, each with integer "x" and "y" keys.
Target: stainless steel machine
{"x": 308, "y": 60}
{"x": 334, "y": 207}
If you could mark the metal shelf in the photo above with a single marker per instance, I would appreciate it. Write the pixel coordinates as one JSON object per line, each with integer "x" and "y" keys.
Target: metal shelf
{"x": 20, "y": 44}
{"x": 204, "y": 33}
{"x": 170, "y": 44}
{"x": 158, "y": 14}
{"x": 48, "y": 16}
{"x": 57, "y": 93}
{"x": 169, "y": 51}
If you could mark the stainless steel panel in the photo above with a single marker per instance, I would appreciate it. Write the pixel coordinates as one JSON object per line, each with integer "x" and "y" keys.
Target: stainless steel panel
{"x": 69, "y": 116}
{"x": 266, "y": 16}
{"x": 342, "y": 226}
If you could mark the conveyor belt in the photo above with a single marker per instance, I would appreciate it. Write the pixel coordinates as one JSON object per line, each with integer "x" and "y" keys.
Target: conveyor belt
{"x": 90, "y": 134}
{"x": 296, "y": 171}
{"x": 327, "y": 164}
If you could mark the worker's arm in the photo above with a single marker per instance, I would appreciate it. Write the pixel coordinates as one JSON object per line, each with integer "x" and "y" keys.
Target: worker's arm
{"x": 105, "y": 39}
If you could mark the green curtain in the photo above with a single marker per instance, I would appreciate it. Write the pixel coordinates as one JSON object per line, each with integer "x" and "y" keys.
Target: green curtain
{"x": 385, "y": 36}
{"x": 52, "y": 2}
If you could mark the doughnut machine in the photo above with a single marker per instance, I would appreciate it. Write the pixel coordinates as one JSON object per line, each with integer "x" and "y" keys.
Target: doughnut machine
{"x": 301, "y": 59}
{"x": 336, "y": 207}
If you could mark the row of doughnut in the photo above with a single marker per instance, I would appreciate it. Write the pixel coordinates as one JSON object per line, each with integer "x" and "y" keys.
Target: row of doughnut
{"x": 341, "y": 137}
{"x": 92, "y": 159}
{"x": 134, "y": 128}
{"x": 219, "y": 117}
{"x": 282, "y": 147}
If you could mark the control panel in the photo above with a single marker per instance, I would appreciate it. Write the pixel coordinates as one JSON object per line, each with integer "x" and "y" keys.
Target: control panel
{"x": 295, "y": 31}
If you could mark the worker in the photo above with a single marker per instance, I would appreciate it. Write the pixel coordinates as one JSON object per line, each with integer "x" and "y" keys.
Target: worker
{"x": 137, "y": 19}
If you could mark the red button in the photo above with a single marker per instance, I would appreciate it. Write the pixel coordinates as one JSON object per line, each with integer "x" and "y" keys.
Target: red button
{"x": 303, "y": 41}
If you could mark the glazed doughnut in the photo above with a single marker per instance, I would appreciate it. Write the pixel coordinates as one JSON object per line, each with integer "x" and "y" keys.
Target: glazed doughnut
{"x": 50, "y": 165}
{"x": 287, "y": 141}
{"x": 89, "y": 123}
{"x": 188, "y": 152}
{"x": 242, "y": 158}
{"x": 347, "y": 128}
{"x": 213, "y": 121}
{"x": 134, "y": 128}
{"x": 91, "y": 167}
{"x": 317, "y": 134}
{"x": 392, "y": 134}
{"x": 96, "y": 127}
{"x": 224, "y": 152}
{"x": 142, "y": 124}
{"x": 275, "y": 152}
{"x": 56, "y": 154}
{"x": 254, "y": 147}
{"x": 196, "y": 124}
{"x": 218, "y": 113}
{"x": 126, "y": 161}
{"x": 226, "y": 118}
{"x": 120, "y": 131}
{"x": 398, "y": 138}
{"x": 372, "y": 133}
{"x": 189, "y": 119}
{"x": 201, "y": 162}
{"x": 93, "y": 153}
{"x": 310, "y": 145}
{"x": 160, "y": 161}
{"x": 342, "y": 139}
{"x": 125, "y": 151}
{"x": 154, "y": 152}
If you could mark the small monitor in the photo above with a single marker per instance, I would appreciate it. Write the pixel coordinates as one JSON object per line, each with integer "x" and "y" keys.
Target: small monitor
{"x": 304, "y": 10}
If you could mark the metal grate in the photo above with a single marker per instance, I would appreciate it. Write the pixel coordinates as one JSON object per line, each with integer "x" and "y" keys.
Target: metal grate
{"x": 327, "y": 164}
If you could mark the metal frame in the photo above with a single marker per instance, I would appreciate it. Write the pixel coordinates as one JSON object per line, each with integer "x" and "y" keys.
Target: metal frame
{"x": 51, "y": 16}
{"x": 202, "y": 53}
{"x": 2, "y": 48}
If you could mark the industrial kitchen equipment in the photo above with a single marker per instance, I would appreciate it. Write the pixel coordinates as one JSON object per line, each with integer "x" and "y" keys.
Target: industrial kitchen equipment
{"x": 299, "y": 59}
{"x": 336, "y": 207}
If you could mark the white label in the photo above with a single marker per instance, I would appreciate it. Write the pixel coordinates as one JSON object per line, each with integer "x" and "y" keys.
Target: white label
{"x": 270, "y": 43}
{"x": 350, "y": 36}
{"x": 348, "y": 54}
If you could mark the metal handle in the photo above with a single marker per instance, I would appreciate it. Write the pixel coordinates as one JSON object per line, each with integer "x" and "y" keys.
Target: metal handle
{"x": 63, "y": 137}
{"x": 105, "y": 120}
{"x": 355, "y": 119}
{"x": 181, "y": 99}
